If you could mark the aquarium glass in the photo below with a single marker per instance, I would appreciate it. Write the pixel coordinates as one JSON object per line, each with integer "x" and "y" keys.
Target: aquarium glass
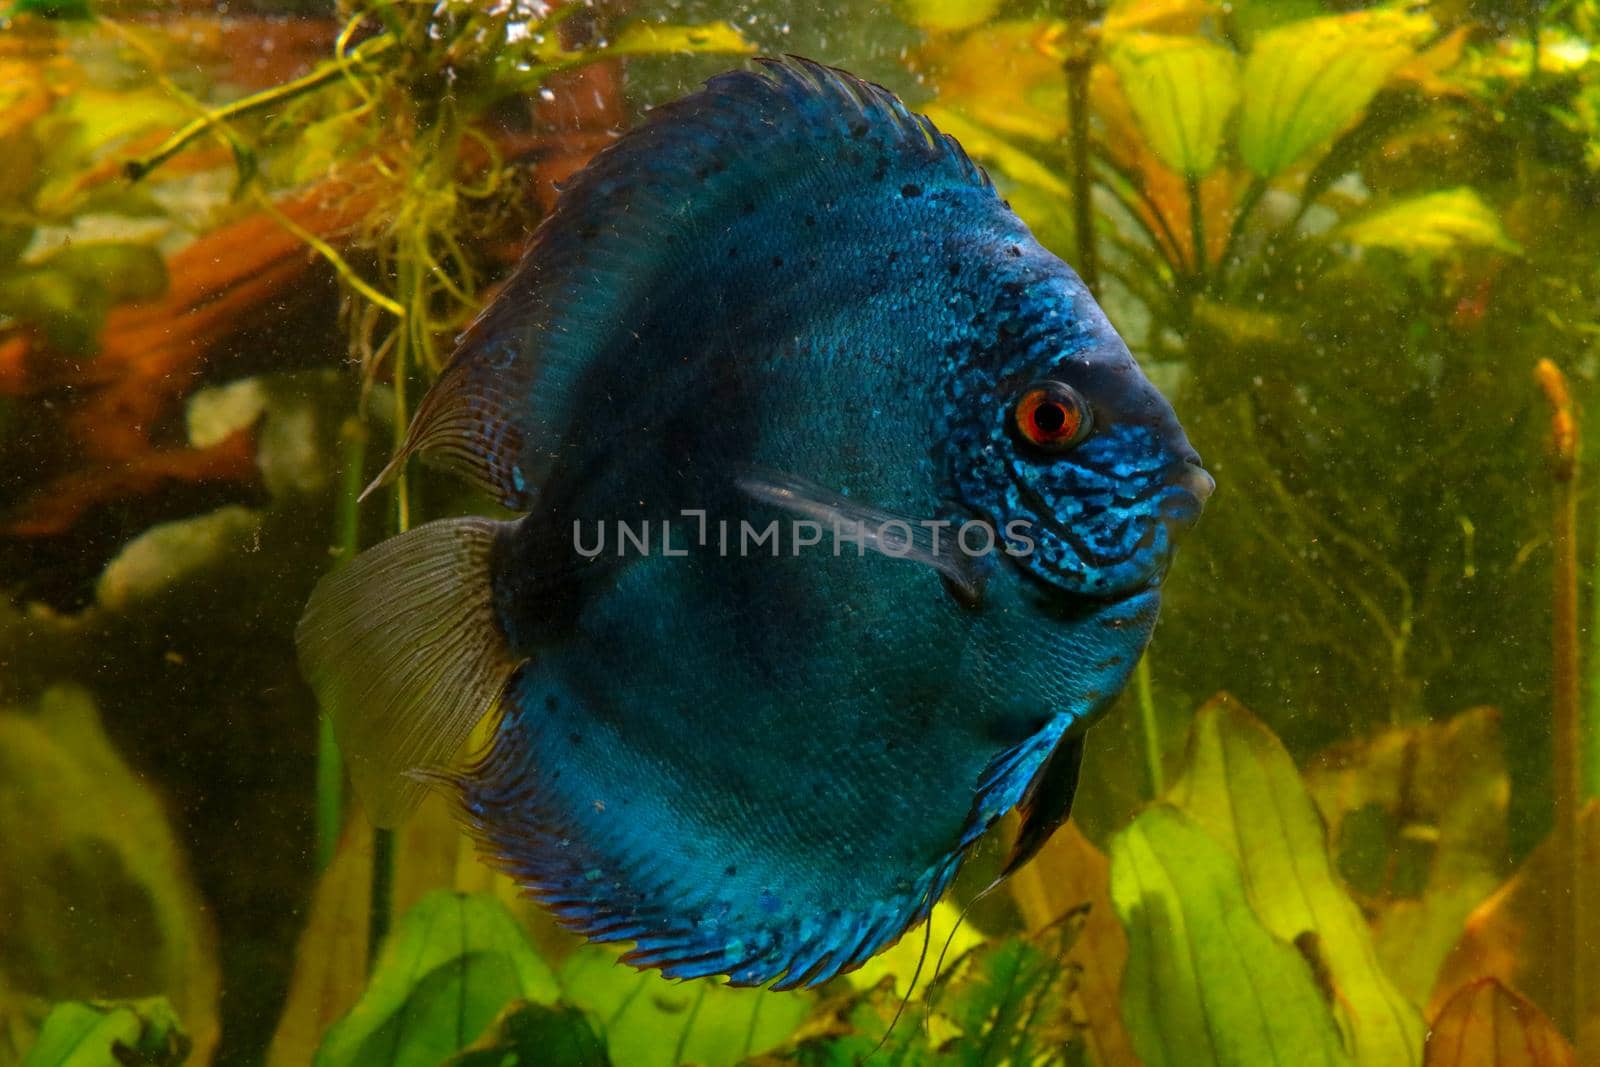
{"x": 1345, "y": 809}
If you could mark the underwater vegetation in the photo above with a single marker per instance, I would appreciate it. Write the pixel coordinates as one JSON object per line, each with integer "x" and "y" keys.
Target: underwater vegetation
{"x": 1346, "y": 812}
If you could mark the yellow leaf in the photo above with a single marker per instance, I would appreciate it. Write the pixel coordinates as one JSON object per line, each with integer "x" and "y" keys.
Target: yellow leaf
{"x": 1431, "y": 225}
{"x": 1030, "y": 101}
{"x": 1182, "y": 91}
{"x": 1155, "y": 16}
{"x": 1308, "y": 80}
{"x": 948, "y": 14}
{"x": 1427, "y": 68}
{"x": 24, "y": 95}
{"x": 648, "y": 38}
{"x": 1207, "y": 983}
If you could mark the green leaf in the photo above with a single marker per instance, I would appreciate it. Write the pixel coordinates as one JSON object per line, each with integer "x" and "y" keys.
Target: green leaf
{"x": 1182, "y": 91}
{"x": 1431, "y": 225}
{"x": 62, "y": 10}
{"x": 1308, "y": 80}
{"x": 68, "y": 309}
{"x": 1206, "y": 984}
{"x": 1242, "y": 788}
{"x": 652, "y": 1022}
{"x": 1006, "y": 1002}
{"x": 68, "y": 294}
{"x": 451, "y": 964}
{"x": 124, "y": 271}
{"x": 1002, "y": 1005}
{"x": 134, "y": 1034}
{"x": 95, "y": 895}
{"x": 532, "y": 1035}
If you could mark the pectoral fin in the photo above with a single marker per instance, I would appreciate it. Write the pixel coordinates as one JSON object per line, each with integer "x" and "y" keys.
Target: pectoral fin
{"x": 930, "y": 542}
{"x": 1048, "y": 800}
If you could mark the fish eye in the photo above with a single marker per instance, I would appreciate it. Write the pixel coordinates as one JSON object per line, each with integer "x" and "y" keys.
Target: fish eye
{"x": 1051, "y": 416}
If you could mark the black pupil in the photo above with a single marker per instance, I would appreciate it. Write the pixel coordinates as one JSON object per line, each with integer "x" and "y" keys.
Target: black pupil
{"x": 1050, "y": 417}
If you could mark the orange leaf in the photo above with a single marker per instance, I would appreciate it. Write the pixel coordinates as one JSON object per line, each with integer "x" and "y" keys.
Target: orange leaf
{"x": 1487, "y": 1025}
{"x": 1069, "y": 873}
{"x": 1524, "y": 937}
{"x": 1165, "y": 205}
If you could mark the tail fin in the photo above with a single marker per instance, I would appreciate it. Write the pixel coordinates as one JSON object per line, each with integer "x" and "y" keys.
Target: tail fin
{"x": 403, "y": 650}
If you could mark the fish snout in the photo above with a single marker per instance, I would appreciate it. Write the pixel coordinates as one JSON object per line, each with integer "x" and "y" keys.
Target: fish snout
{"x": 1196, "y": 479}
{"x": 1191, "y": 486}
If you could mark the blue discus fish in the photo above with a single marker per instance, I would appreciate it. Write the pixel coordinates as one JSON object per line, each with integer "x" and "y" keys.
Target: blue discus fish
{"x": 846, "y": 512}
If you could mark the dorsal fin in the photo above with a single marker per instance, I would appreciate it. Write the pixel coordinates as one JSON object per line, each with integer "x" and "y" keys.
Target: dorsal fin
{"x": 633, "y": 220}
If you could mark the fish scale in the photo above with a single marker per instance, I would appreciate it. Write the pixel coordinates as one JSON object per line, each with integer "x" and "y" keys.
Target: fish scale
{"x": 782, "y": 300}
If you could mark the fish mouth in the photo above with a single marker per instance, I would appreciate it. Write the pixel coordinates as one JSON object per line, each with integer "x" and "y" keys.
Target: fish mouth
{"x": 1186, "y": 497}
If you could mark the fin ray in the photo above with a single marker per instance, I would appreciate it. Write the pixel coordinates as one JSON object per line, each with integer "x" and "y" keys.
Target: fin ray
{"x": 679, "y": 918}
{"x": 810, "y": 501}
{"x": 403, "y": 651}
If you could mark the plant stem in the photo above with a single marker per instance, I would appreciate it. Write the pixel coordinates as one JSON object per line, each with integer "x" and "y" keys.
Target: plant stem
{"x": 381, "y": 903}
{"x": 688, "y": 1023}
{"x": 278, "y": 94}
{"x": 1197, "y": 228}
{"x": 346, "y": 273}
{"x": 1589, "y": 724}
{"x": 1532, "y": 20}
{"x": 1145, "y": 692}
{"x": 1172, "y": 251}
{"x": 1247, "y": 205}
{"x": 330, "y": 768}
{"x": 1566, "y": 741}
{"x": 1564, "y": 521}
{"x": 1077, "y": 69}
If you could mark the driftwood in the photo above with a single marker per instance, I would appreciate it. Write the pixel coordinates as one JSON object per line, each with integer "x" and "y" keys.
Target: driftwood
{"x": 116, "y": 412}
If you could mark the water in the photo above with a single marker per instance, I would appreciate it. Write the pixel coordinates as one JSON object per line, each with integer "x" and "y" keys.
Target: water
{"x": 1392, "y": 586}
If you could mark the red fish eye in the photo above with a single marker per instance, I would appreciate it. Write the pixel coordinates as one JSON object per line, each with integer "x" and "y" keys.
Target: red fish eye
{"x": 1052, "y": 416}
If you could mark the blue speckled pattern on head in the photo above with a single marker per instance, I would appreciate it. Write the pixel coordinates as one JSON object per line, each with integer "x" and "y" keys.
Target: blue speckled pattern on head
{"x": 768, "y": 764}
